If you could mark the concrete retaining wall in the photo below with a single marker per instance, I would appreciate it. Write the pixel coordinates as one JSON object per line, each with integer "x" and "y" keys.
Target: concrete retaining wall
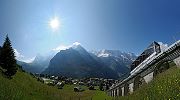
{"x": 177, "y": 61}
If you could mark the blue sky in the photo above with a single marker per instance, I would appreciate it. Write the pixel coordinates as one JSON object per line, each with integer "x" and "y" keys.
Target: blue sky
{"x": 126, "y": 25}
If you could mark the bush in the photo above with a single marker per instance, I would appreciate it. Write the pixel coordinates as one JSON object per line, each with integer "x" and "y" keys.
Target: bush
{"x": 91, "y": 88}
{"x": 101, "y": 87}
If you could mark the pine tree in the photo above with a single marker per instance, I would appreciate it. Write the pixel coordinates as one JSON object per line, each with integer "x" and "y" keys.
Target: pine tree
{"x": 8, "y": 58}
{"x": 0, "y": 55}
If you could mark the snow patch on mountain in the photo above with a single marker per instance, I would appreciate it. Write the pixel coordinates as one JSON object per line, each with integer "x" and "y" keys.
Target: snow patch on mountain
{"x": 163, "y": 46}
{"x": 65, "y": 47}
{"x": 103, "y": 53}
{"x": 114, "y": 53}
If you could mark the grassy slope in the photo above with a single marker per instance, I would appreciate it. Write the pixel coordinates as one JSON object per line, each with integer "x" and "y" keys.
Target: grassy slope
{"x": 166, "y": 86}
{"x": 23, "y": 86}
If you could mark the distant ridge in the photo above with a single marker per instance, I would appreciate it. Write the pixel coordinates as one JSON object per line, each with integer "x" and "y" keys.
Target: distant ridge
{"x": 77, "y": 62}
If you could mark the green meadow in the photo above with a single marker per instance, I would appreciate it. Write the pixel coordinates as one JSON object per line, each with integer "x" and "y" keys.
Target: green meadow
{"x": 166, "y": 86}
{"x": 24, "y": 87}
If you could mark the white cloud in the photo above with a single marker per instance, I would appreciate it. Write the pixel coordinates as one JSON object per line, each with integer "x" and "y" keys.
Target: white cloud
{"x": 18, "y": 55}
{"x": 63, "y": 47}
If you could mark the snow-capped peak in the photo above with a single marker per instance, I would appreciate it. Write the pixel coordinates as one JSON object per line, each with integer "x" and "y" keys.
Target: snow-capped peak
{"x": 114, "y": 53}
{"x": 76, "y": 43}
{"x": 163, "y": 46}
{"x": 64, "y": 47}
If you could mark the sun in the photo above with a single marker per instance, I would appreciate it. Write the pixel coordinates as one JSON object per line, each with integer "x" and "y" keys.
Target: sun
{"x": 54, "y": 23}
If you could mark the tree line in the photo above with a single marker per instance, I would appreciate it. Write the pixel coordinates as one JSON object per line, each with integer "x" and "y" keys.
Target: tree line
{"x": 7, "y": 58}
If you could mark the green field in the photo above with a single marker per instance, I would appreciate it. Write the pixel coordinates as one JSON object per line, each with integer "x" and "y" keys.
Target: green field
{"x": 24, "y": 86}
{"x": 166, "y": 86}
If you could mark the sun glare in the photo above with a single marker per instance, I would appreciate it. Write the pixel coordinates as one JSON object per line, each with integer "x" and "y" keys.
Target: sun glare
{"x": 54, "y": 23}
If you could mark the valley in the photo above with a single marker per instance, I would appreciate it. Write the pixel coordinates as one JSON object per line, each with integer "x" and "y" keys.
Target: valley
{"x": 24, "y": 86}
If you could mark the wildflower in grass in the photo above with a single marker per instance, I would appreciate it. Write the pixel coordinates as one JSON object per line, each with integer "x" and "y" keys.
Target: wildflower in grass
{"x": 159, "y": 92}
{"x": 177, "y": 95}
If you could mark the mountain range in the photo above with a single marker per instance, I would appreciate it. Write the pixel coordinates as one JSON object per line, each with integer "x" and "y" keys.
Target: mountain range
{"x": 39, "y": 64}
{"x": 77, "y": 62}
